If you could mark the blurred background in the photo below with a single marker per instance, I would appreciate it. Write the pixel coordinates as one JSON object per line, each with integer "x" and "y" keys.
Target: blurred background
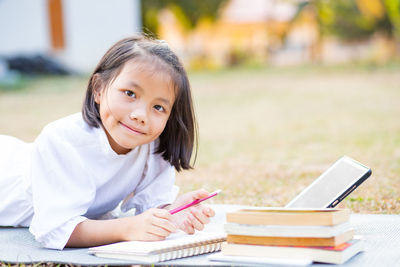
{"x": 206, "y": 34}
{"x": 282, "y": 88}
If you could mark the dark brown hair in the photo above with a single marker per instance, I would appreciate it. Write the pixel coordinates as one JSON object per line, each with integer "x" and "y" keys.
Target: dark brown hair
{"x": 179, "y": 137}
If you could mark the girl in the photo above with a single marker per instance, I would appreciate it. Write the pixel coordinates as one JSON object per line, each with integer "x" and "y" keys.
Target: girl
{"x": 137, "y": 124}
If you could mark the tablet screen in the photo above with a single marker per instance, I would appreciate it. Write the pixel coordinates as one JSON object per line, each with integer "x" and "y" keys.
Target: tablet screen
{"x": 332, "y": 186}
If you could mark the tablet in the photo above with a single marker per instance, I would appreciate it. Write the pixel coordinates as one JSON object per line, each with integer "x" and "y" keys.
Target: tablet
{"x": 332, "y": 186}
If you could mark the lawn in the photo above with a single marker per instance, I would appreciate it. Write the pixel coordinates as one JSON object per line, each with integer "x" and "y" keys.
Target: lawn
{"x": 264, "y": 133}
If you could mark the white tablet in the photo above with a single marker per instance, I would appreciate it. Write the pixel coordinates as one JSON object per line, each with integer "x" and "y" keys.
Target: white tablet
{"x": 332, "y": 186}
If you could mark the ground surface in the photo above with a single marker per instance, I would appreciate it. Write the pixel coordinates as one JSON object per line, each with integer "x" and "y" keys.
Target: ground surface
{"x": 266, "y": 133}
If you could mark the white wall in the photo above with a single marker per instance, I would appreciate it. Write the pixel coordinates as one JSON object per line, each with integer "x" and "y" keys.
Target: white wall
{"x": 90, "y": 28}
{"x": 23, "y": 27}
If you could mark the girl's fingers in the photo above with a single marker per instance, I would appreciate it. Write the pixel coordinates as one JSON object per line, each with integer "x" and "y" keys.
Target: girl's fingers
{"x": 189, "y": 227}
{"x": 160, "y": 224}
{"x": 195, "y": 222}
{"x": 201, "y": 193}
{"x": 163, "y": 219}
{"x": 161, "y": 213}
{"x": 165, "y": 225}
{"x": 198, "y": 213}
{"x": 209, "y": 212}
{"x": 159, "y": 231}
{"x": 153, "y": 237}
{"x": 199, "y": 216}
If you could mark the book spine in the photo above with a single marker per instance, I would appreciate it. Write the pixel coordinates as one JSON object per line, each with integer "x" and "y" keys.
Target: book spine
{"x": 271, "y": 218}
{"x": 286, "y": 231}
{"x": 291, "y": 241}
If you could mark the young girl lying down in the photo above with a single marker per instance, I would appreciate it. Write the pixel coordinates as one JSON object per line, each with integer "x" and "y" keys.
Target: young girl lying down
{"x": 136, "y": 128}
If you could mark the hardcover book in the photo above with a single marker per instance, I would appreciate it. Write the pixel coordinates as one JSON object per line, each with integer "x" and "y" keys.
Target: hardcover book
{"x": 291, "y": 241}
{"x": 288, "y": 216}
{"x": 331, "y": 254}
{"x": 286, "y": 231}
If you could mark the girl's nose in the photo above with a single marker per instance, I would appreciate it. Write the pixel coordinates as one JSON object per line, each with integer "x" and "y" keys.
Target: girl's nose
{"x": 139, "y": 115}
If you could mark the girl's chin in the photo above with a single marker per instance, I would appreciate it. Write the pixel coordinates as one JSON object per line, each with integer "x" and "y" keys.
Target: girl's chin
{"x": 121, "y": 149}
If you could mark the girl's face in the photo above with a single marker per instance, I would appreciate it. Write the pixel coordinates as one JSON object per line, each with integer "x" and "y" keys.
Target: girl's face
{"x": 135, "y": 107}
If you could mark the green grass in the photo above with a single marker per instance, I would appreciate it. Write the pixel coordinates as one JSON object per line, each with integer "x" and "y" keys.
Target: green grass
{"x": 265, "y": 133}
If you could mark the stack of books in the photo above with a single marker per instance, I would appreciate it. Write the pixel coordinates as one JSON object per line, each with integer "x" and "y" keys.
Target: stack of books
{"x": 323, "y": 235}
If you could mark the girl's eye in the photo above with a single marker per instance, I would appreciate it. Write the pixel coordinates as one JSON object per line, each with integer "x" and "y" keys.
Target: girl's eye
{"x": 159, "y": 108}
{"x": 130, "y": 93}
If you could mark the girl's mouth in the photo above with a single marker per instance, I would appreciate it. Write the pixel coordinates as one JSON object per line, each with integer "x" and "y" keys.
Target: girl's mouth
{"x": 132, "y": 129}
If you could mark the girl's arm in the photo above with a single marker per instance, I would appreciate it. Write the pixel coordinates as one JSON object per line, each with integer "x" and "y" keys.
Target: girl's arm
{"x": 153, "y": 224}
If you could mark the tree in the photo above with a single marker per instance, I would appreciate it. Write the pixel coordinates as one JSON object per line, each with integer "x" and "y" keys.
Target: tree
{"x": 187, "y": 12}
{"x": 393, "y": 12}
{"x": 356, "y": 19}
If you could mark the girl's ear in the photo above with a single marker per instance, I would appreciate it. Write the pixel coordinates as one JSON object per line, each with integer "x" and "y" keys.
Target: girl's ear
{"x": 97, "y": 88}
{"x": 97, "y": 97}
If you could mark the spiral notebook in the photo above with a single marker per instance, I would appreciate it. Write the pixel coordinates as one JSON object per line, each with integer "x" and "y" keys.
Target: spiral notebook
{"x": 177, "y": 245}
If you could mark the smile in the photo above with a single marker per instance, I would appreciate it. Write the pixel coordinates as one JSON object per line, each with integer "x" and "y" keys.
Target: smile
{"x": 136, "y": 131}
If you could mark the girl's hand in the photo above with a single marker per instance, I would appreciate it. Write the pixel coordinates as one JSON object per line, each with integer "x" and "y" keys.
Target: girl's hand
{"x": 151, "y": 225}
{"x": 195, "y": 217}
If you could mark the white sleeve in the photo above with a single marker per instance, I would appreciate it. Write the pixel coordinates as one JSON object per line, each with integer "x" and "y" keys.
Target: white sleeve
{"x": 62, "y": 191}
{"x": 156, "y": 187}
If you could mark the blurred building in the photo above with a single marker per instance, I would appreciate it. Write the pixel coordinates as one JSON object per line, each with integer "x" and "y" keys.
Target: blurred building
{"x": 75, "y": 32}
{"x": 257, "y": 30}
{"x": 277, "y": 32}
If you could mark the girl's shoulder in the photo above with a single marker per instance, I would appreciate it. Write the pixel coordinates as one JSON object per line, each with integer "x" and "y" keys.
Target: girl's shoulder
{"x": 69, "y": 128}
{"x": 67, "y": 121}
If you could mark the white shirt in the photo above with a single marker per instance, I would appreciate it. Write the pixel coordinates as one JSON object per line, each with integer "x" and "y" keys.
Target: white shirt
{"x": 71, "y": 173}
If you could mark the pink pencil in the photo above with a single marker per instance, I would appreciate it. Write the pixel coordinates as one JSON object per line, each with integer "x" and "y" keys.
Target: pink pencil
{"x": 197, "y": 201}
